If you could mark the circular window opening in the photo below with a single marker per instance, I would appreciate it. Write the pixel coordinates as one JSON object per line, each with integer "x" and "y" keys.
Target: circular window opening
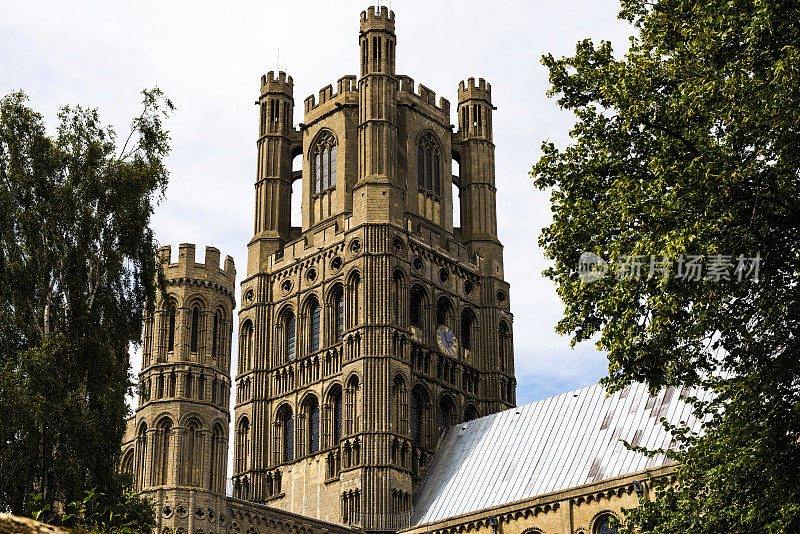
{"x": 444, "y": 276}
{"x": 166, "y": 511}
{"x": 199, "y": 513}
{"x": 398, "y": 245}
{"x": 336, "y": 263}
{"x": 311, "y": 275}
{"x": 501, "y": 297}
{"x": 418, "y": 265}
{"x": 286, "y": 286}
{"x": 211, "y": 514}
{"x": 468, "y": 288}
{"x": 355, "y": 246}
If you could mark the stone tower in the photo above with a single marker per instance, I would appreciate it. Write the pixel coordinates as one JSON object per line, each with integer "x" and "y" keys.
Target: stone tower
{"x": 176, "y": 445}
{"x": 376, "y": 323}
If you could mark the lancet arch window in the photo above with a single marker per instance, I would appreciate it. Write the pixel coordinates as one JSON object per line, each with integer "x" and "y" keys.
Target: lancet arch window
{"x": 246, "y": 344}
{"x": 428, "y": 163}
{"x": 285, "y": 435}
{"x": 313, "y": 316}
{"x": 216, "y": 333}
{"x": 337, "y": 314}
{"x": 323, "y": 162}
{"x": 311, "y": 421}
{"x": 163, "y": 454}
{"x": 172, "y": 311}
{"x": 194, "y": 338}
{"x": 289, "y": 338}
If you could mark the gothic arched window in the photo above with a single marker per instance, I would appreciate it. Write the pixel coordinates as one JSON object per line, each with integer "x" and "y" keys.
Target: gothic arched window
{"x": 311, "y": 412}
{"x": 446, "y": 411}
{"x": 418, "y": 401}
{"x": 467, "y": 322}
{"x": 313, "y": 312}
{"x": 323, "y": 157}
{"x": 163, "y": 458}
{"x": 242, "y": 445}
{"x": 428, "y": 164}
{"x": 335, "y": 400}
{"x": 246, "y": 351}
{"x": 337, "y": 306}
{"x": 416, "y": 307}
{"x": 502, "y": 345}
{"x": 195, "y": 329}
{"x": 286, "y": 434}
{"x": 191, "y": 454}
{"x": 171, "y": 312}
{"x": 603, "y": 526}
{"x": 215, "y": 333}
{"x": 289, "y": 335}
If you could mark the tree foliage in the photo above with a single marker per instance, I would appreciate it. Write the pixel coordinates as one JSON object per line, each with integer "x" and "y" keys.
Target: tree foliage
{"x": 77, "y": 271}
{"x": 689, "y": 144}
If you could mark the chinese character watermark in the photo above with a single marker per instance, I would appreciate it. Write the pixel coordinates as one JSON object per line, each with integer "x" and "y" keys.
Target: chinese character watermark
{"x": 713, "y": 268}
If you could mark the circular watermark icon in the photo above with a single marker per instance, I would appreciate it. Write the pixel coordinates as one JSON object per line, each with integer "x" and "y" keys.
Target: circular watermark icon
{"x": 591, "y": 267}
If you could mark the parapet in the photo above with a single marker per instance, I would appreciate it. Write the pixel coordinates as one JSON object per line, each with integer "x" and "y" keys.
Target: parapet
{"x": 280, "y": 84}
{"x": 379, "y": 18}
{"x": 186, "y": 267}
{"x": 423, "y": 94}
{"x": 470, "y": 91}
{"x": 346, "y": 85}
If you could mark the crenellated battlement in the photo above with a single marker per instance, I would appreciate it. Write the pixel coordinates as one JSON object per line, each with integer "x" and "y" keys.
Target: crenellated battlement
{"x": 186, "y": 266}
{"x": 277, "y": 84}
{"x": 423, "y": 94}
{"x": 379, "y": 18}
{"x": 470, "y": 91}
{"x": 346, "y": 85}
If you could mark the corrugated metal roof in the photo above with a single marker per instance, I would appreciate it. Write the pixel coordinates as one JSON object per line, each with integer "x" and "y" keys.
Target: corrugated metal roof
{"x": 549, "y": 445}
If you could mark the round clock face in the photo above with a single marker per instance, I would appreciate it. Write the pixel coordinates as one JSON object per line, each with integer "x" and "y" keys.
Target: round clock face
{"x": 446, "y": 340}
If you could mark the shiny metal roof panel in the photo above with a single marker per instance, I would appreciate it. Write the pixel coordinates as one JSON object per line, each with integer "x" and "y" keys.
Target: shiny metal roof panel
{"x": 545, "y": 446}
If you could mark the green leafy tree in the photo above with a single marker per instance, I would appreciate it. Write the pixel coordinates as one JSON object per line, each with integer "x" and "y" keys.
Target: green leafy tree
{"x": 689, "y": 144}
{"x": 77, "y": 273}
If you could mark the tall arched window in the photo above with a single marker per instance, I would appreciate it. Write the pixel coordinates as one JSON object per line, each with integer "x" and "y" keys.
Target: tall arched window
{"x": 171, "y": 312}
{"x": 242, "y": 445}
{"x": 215, "y": 467}
{"x": 470, "y": 413}
{"x": 323, "y": 156}
{"x": 351, "y": 405}
{"x": 418, "y": 400}
{"x": 446, "y": 411}
{"x": 336, "y": 406}
{"x": 416, "y": 311}
{"x": 127, "y": 464}
{"x": 353, "y": 299}
{"x": 444, "y": 312}
{"x": 313, "y": 312}
{"x": 163, "y": 457}
{"x": 428, "y": 164}
{"x": 215, "y": 333}
{"x": 337, "y": 307}
{"x": 192, "y": 455}
{"x": 286, "y": 434}
{"x": 195, "y": 329}
{"x": 467, "y": 325}
{"x": 141, "y": 456}
{"x": 311, "y": 413}
{"x": 399, "y": 414}
{"x": 502, "y": 345}
{"x": 289, "y": 335}
{"x": 246, "y": 350}
{"x": 398, "y": 289}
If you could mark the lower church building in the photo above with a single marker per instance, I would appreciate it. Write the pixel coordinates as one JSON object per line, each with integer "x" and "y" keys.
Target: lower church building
{"x": 375, "y": 386}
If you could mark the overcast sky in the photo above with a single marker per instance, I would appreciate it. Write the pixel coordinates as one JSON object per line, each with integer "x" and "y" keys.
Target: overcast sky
{"x": 209, "y": 58}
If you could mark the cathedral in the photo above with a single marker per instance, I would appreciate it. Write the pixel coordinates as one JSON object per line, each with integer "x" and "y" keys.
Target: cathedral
{"x": 374, "y": 379}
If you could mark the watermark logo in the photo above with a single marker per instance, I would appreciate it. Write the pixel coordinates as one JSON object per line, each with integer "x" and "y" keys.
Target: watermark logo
{"x": 591, "y": 267}
{"x": 713, "y": 268}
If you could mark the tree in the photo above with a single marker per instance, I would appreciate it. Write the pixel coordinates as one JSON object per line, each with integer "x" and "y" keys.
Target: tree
{"x": 687, "y": 150}
{"x": 77, "y": 274}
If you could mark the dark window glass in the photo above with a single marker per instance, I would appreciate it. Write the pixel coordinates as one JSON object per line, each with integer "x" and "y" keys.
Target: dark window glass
{"x": 315, "y": 316}
{"x": 288, "y": 437}
{"x": 436, "y": 173}
{"x": 416, "y": 416}
{"x": 215, "y": 335}
{"x": 604, "y": 526}
{"x": 171, "y": 329}
{"x": 195, "y": 326}
{"x": 313, "y": 427}
{"x": 337, "y": 417}
{"x": 333, "y": 167}
{"x": 339, "y": 316}
{"x": 317, "y": 174}
{"x": 290, "y": 337}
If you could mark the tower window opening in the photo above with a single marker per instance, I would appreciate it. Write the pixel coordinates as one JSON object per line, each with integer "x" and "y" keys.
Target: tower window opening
{"x": 428, "y": 163}
{"x": 215, "y": 333}
{"x": 289, "y": 341}
{"x": 324, "y": 162}
{"x": 312, "y": 416}
{"x": 171, "y": 312}
{"x": 195, "y": 328}
{"x": 416, "y": 308}
{"x": 314, "y": 316}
